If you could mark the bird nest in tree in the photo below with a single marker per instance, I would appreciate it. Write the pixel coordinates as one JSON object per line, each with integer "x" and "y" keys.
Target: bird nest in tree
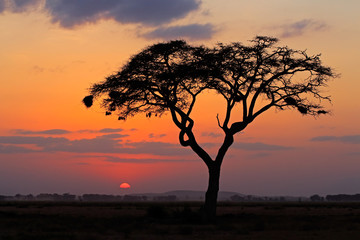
{"x": 302, "y": 109}
{"x": 290, "y": 101}
{"x": 88, "y": 101}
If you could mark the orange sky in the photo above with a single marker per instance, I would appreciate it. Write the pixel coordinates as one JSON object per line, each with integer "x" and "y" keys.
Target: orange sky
{"x": 50, "y": 54}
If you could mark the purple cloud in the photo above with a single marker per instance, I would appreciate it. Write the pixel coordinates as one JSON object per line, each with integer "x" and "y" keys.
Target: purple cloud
{"x": 104, "y": 130}
{"x": 24, "y": 5}
{"x": 259, "y": 147}
{"x": 18, "y": 6}
{"x": 110, "y": 130}
{"x": 74, "y": 13}
{"x": 5, "y": 149}
{"x": 211, "y": 134}
{"x": 70, "y": 13}
{"x": 300, "y": 27}
{"x": 352, "y": 139}
{"x": 152, "y": 135}
{"x": 109, "y": 143}
{"x": 191, "y": 31}
{"x": 2, "y": 6}
{"x": 46, "y": 132}
{"x": 39, "y": 141}
{"x": 136, "y": 160}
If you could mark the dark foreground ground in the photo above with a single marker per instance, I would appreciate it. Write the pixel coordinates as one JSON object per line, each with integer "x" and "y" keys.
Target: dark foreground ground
{"x": 178, "y": 220}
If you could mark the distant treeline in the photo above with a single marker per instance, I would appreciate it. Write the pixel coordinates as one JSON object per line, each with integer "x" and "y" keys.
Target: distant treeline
{"x": 40, "y": 197}
{"x": 336, "y": 198}
{"x": 132, "y": 198}
{"x": 250, "y": 198}
{"x": 85, "y": 197}
{"x": 170, "y": 198}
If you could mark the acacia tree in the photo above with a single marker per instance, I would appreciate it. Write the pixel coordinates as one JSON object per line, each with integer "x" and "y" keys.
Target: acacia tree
{"x": 251, "y": 79}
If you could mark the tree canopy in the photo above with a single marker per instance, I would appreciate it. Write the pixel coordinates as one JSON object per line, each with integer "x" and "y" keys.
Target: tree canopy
{"x": 172, "y": 74}
{"x": 169, "y": 76}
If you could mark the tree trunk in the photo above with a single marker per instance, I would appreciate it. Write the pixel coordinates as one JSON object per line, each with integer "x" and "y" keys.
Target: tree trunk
{"x": 209, "y": 211}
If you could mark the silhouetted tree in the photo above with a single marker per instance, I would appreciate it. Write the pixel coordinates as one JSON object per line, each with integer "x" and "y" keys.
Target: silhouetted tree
{"x": 252, "y": 79}
{"x": 316, "y": 198}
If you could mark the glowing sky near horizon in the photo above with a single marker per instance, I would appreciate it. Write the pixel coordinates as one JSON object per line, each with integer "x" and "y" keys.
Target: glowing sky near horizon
{"x": 52, "y": 51}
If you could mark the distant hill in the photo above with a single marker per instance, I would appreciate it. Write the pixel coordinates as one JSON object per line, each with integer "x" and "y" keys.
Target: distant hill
{"x": 188, "y": 195}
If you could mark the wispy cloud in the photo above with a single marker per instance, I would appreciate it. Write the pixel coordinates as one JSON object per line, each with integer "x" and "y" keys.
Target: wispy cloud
{"x": 18, "y": 6}
{"x": 260, "y": 155}
{"x": 191, "y": 32}
{"x": 109, "y": 143}
{"x": 104, "y": 130}
{"x": 44, "y": 132}
{"x": 301, "y": 27}
{"x": 139, "y": 160}
{"x": 352, "y": 139}
{"x": 211, "y": 134}
{"x": 2, "y": 6}
{"x": 6, "y": 149}
{"x": 258, "y": 146}
{"x": 157, "y": 148}
{"x": 110, "y": 130}
{"x": 153, "y": 135}
{"x": 353, "y": 154}
{"x": 83, "y": 163}
{"x": 44, "y": 142}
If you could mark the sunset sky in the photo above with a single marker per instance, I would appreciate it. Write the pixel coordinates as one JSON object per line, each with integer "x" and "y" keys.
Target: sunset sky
{"x": 53, "y": 50}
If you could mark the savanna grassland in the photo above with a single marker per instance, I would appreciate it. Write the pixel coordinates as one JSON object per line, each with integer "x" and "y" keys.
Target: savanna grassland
{"x": 177, "y": 220}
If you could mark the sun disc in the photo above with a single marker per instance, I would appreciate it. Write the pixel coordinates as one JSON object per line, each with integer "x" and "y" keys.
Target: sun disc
{"x": 124, "y": 185}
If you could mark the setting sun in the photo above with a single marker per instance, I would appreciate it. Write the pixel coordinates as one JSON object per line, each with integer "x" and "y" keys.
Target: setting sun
{"x": 124, "y": 185}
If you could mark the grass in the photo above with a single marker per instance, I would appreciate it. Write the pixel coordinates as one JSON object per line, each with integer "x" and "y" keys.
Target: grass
{"x": 177, "y": 220}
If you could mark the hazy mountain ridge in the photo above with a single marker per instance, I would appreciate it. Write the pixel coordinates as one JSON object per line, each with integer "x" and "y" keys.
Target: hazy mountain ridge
{"x": 192, "y": 195}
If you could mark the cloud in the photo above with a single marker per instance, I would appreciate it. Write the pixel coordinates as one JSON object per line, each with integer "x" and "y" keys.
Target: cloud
{"x": 58, "y": 144}
{"x": 19, "y": 6}
{"x": 83, "y": 164}
{"x": 211, "y": 134}
{"x": 259, "y": 147}
{"x": 300, "y": 27}
{"x": 39, "y": 141}
{"x": 109, "y": 143}
{"x": 46, "y": 132}
{"x": 137, "y": 160}
{"x": 353, "y": 154}
{"x": 152, "y": 135}
{"x": 25, "y": 5}
{"x": 113, "y": 136}
{"x": 191, "y": 31}
{"x": 352, "y": 139}
{"x": 70, "y": 13}
{"x": 2, "y": 6}
{"x": 147, "y": 13}
{"x": 259, "y": 155}
{"x": 104, "y": 130}
{"x": 156, "y": 148}
{"x": 5, "y": 149}
{"x": 110, "y": 130}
